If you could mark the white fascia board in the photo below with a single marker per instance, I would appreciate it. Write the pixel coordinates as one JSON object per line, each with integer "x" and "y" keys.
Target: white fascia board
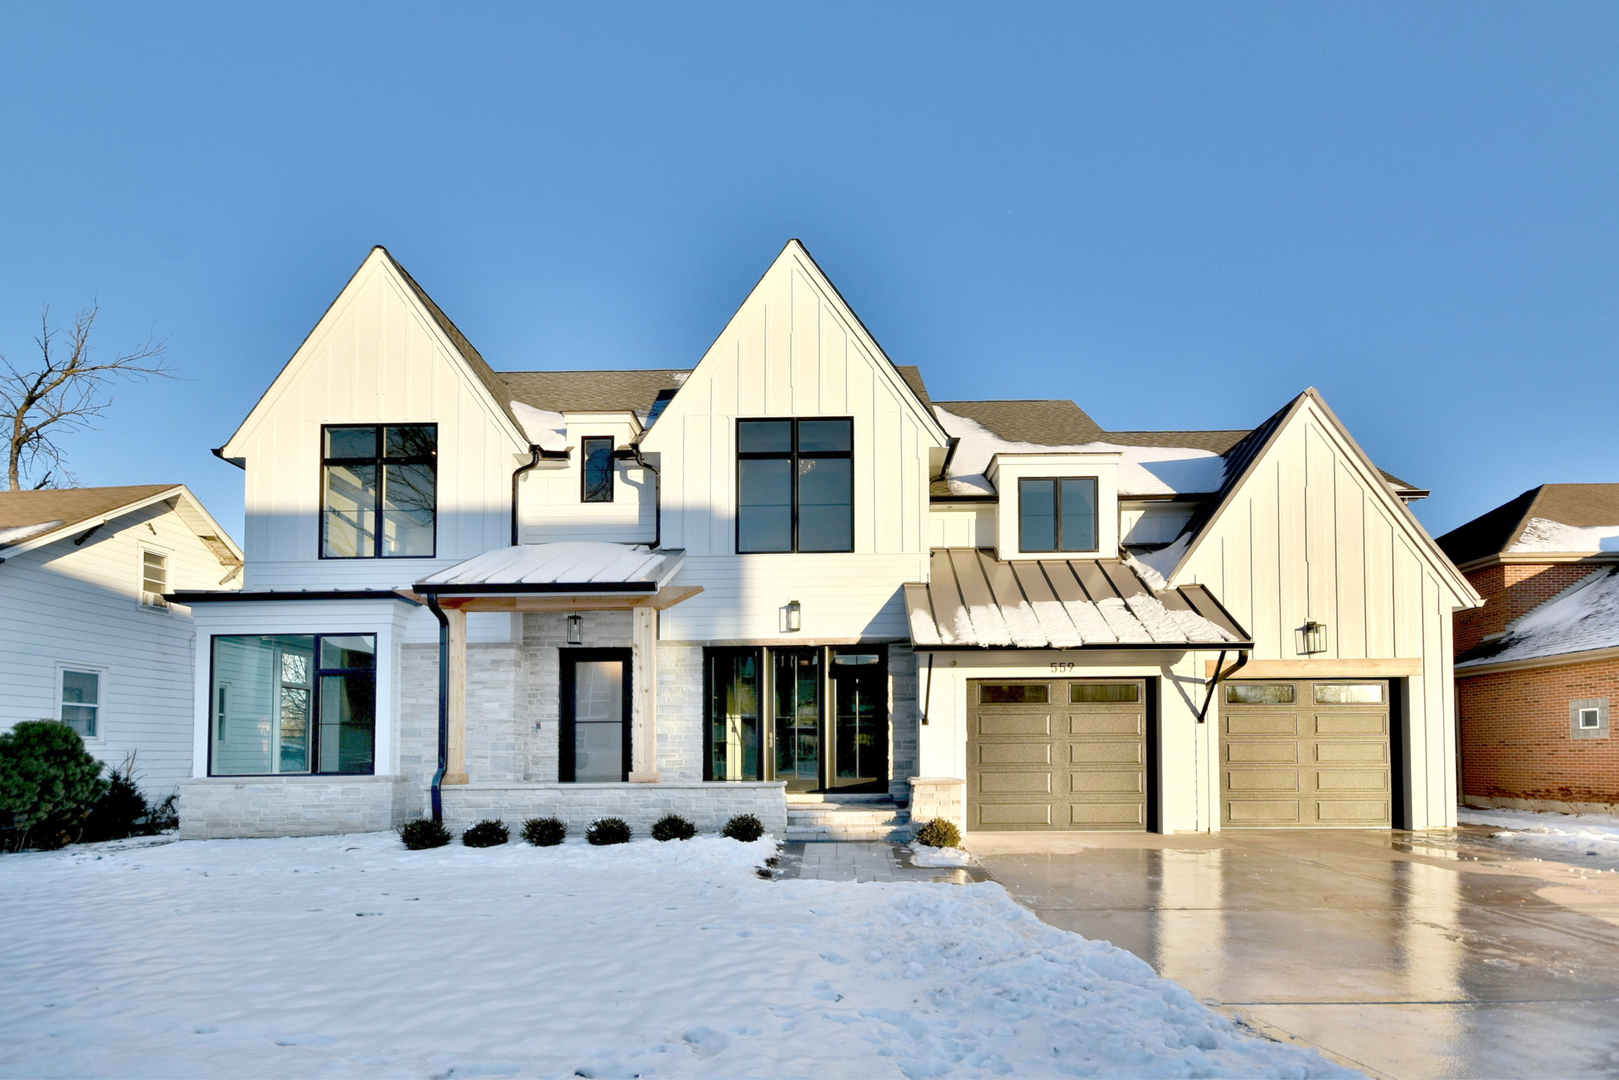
{"x": 1056, "y": 462}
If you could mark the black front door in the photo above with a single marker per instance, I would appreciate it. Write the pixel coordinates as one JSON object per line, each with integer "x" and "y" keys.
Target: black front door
{"x": 858, "y": 732}
{"x": 595, "y": 716}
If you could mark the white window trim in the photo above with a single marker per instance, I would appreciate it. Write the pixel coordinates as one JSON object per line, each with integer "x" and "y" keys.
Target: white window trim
{"x": 162, "y": 606}
{"x": 100, "y": 671}
{"x": 1596, "y": 718}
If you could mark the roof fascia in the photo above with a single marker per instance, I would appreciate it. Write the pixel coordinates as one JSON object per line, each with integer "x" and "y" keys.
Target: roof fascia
{"x": 1531, "y": 558}
{"x": 795, "y": 250}
{"x": 62, "y": 532}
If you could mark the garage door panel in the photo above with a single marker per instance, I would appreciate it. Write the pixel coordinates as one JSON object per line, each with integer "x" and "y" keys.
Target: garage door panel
{"x": 1346, "y": 812}
{"x": 1107, "y": 815}
{"x": 1351, "y": 753}
{"x": 1014, "y": 724}
{"x": 1356, "y": 724}
{"x": 1014, "y": 753}
{"x": 1261, "y": 724}
{"x": 1014, "y": 783}
{"x": 1104, "y": 724}
{"x": 1263, "y": 811}
{"x": 1262, "y": 780}
{"x": 1100, "y": 753}
{"x": 1021, "y": 813}
{"x": 1081, "y": 783}
{"x": 1262, "y": 752}
{"x": 1351, "y": 780}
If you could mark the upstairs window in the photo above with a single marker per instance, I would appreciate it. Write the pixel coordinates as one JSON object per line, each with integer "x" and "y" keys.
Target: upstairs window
{"x": 378, "y": 491}
{"x": 598, "y": 469}
{"x": 1057, "y": 514}
{"x": 794, "y": 485}
{"x": 154, "y": 578}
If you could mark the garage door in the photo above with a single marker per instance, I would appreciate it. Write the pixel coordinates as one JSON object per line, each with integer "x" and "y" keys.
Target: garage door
{"x": 1305, "y": 754}
{"x": 1058, "y": 754}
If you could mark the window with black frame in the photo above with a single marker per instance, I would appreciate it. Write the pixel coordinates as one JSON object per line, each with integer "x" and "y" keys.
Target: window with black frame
{"x": 378, "y": 491}
{"x": 293, "y": 704}
{"x": 795, "y": 485}
{"x": 596, "y": 452}
{"x": 1057, "y": 514}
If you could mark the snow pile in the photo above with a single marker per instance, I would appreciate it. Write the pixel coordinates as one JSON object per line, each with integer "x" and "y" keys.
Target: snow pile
{"x": 1584, "y": 616}
{"x": 1154, "y": 567}
{"x": 545, "y": 429}
{"x": 1544, "y": 534}
{"x": 1143, "y": 470}
{"x": 16, "y": 534}
{"x": 1580, "y": 835}
{"x": 923, "y": 855}
{"x": 349, "y": 956}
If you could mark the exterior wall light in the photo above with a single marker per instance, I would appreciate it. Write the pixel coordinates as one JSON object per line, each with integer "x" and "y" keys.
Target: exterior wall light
{"x": 1311, "y": 638}
{"x": 795, "y": 616}
{"x": 576, "y": 629}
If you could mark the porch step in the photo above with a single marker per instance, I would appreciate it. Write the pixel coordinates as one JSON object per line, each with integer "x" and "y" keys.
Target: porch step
{"x": 845, "y": 817}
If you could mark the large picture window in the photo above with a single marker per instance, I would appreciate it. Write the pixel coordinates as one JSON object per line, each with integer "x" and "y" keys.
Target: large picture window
{"x": 794, "y": 485}
{"x": 378, "y": 491}
{"x": 1057, "y": 514}
{"x": 293, "y": 704}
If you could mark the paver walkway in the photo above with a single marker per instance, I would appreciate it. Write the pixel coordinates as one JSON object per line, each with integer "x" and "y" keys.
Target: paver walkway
{"x": 1440, "y": 954}
{"x": 873, "y": 860}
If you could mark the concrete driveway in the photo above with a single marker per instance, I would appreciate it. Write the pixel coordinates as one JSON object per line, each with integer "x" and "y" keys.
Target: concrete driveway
{"x": 1402, "y": 954}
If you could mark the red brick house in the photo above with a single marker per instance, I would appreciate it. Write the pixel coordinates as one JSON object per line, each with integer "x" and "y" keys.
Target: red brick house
{"x": 1538, "y": 664}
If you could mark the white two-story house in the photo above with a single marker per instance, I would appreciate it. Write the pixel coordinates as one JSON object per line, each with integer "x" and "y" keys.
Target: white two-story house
{"x": 786, "y": 578}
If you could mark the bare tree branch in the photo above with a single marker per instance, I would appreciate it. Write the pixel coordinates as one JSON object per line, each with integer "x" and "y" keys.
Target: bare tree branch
{"x": 62, "y": 394}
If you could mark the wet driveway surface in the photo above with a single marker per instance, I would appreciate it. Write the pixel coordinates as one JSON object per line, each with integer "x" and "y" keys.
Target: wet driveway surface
{"x": 1433, "y": 954}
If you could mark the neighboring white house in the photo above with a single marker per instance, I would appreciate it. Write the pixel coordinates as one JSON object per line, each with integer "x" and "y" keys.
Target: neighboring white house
{"x": 86, "y": 635}
{"x": 785, "y": 576}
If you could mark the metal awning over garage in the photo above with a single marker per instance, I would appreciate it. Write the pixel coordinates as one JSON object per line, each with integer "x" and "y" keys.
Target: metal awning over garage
{"x": 975, "y": 600}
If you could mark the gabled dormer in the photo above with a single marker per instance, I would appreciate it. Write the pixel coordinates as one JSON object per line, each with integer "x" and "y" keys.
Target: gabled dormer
{"x": 1057, "y": 505}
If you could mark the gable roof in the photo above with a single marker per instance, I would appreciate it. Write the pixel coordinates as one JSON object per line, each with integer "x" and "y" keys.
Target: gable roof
{"x": 592, "y": 391}
{"x": 30, "y": 519}
{"x": 1495, "y": 532}
{"x": 1581, "y": 618}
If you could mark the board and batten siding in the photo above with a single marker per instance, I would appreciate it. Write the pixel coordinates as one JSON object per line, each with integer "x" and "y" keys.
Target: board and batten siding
{"x": 794, "y": 349}
{"x": 550, "y": 502}
{"x": 79, "y": 607}
{"x": 376, "y": 357}
{"x": 1307, "y": 536}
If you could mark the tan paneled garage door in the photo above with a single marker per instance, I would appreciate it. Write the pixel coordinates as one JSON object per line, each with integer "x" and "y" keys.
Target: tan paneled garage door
{"x": 1057, "y": 754}
{"x": 1305, "y": 754}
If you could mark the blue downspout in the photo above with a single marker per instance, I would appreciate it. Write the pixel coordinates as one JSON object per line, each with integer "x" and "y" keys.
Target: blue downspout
{"x": 443, "y": 705}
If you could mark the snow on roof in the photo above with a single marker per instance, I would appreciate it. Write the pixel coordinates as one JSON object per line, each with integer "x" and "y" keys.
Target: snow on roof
{"x": 1582, "y": 617}
{"x": 1544, "y": 534}
{"x": 1143, "y": 470}
{"x": 545, "y": 429}
{"x": 16, "y": 534}
{"x": 554, "y": 566}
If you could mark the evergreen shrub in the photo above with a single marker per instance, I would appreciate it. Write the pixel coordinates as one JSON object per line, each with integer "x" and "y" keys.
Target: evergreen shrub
{"x": 48, "y": 785}
{"x": 487, "y": 833}
{"x": 423, "y": 833}
{"x": 673, "y": 827}
{"x": 545, "y": 831}
{"x": 608, "y": 830}
{"x": 744, "y": 827}
{"x": 939, "y": 833}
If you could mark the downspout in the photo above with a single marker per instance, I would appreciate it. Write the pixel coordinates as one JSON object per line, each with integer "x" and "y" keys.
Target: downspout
{"x": 949, "y": 455}
{"x": 657, "y": 493}
{"x": 927, "y": 697}
{"x": 443, "y": 705}
{"x": 533, "y": 460}
{"x": 1220, "y": 674}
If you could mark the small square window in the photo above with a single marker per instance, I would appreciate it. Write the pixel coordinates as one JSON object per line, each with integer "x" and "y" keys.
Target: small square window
{"x": 154, "y": 578}
{"x": 81, "y": 701}
{"x": 1590, "y": 718}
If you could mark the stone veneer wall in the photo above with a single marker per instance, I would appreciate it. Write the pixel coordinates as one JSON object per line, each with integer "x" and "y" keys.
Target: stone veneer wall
{"x": 709, "y": 806}
{"x": 215, "y": 808}
{"x": 905, "y": 717}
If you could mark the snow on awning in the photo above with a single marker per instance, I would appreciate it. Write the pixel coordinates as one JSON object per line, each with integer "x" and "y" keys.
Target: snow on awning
{"x": 973, "y": 599}
{"x": 577, "y": 567}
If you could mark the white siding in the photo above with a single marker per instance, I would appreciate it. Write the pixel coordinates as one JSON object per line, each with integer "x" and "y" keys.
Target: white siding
{"x": 80, "y": 606}
{"x": 551, "y": 507}
{"x": 963, "y": 525}
{"x": 1152, "y": 523}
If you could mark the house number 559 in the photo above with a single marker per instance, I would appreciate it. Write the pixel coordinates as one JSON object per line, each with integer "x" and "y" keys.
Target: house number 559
{"x": 1060, "y": 667}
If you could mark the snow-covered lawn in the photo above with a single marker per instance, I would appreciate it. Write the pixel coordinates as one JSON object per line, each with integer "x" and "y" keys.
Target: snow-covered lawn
{"x": 350, "y": 956}
{"x": 1582, "y": 836}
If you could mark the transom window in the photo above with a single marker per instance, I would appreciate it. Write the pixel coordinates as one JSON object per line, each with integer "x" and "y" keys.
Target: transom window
{"x": 378, "y": 491}
{"x": 81, "y": 702}
{"x": 1057, "y": 514}
{"x": 598, "y": 469}
{"x": 154, "y": 578}
{"x": 1259, "y": 693}
{"x": 794, "y": 485}
{"x": 293, "y": 703}
{"x": 1348, "y": 693}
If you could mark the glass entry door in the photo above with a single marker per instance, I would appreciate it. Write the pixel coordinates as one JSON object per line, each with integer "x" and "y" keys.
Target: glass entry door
{"x": 595, "y": 716}
{"x": 859, "y": 729}
{"x": 797, "y": 678}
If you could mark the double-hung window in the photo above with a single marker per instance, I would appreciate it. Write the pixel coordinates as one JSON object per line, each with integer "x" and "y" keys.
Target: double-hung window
{"x": 794, "y": 485}
{"x": 1057, "y": 514}
{"x": 378, "y": 491}
{"x": 597, "y": 454}
{"x": 81, "y": 702}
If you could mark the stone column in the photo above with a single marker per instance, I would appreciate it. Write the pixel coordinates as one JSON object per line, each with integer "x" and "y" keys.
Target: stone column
{"x": 644, "y": 704}
{"x": 455, "y": 771}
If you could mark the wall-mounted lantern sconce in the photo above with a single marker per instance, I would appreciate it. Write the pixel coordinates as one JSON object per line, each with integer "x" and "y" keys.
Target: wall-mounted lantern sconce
{"x": 795, "y": 615}
{"x": 1311, "y": 638}
{"x": 576, "y": 629}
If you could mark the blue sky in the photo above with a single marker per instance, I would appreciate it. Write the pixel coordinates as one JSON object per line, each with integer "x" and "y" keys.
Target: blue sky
{"x": 1177, "y": 215}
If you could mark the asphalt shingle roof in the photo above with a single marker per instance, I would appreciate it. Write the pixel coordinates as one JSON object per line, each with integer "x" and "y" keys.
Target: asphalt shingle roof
{"x": 20, "y": 509}
{"x": 1493, "y": 532}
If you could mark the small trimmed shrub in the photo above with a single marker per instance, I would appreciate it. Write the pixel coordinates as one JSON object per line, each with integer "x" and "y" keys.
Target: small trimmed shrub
{"x": 608, "y": 830}
{"x": 545, "y": 831}
{"x": 673, "y": 827}
{"x": 120, "y": 812}
{"x": 939, "y": 833}
{"x": 423, "y": 833}
{"x": 487, "y": 833}
{"x": 744, "y": 827}
{"x": 48, "y": 785}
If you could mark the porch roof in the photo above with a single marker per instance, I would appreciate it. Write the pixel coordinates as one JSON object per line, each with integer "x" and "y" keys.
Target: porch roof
{"x": 975, "y": 600}
{"x": 573, "y": 567}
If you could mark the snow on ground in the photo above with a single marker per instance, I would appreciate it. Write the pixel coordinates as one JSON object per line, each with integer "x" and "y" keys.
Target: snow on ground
{"x": 923, "y": 855}
{"x": 1582, "y": 836}
{"x": 350, "y": 956}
